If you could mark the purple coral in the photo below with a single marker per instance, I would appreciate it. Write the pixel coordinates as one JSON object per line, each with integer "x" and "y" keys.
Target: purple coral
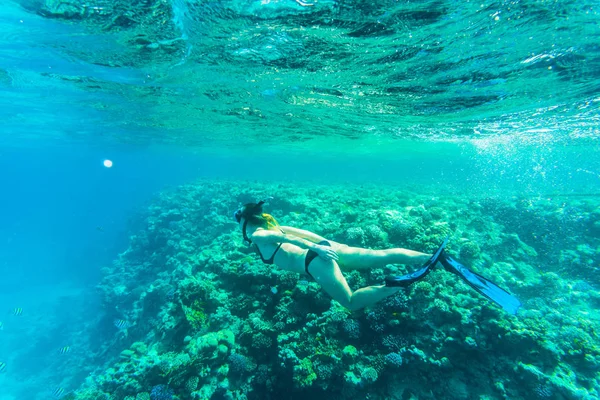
{"x": 397, "y": 302}
{"x": 352, "y": 328}
{"x": 543, "y": 391}
{"x": 376, "y": 318}
{"x": 238, "y": 363}
{"x": 324, "y": 371}
{"x": 393, "y": 359}
{"x": 161, "y": 392}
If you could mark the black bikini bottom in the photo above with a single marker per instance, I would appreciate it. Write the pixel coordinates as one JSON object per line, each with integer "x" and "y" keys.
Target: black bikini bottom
{"x": 311, "y": 255}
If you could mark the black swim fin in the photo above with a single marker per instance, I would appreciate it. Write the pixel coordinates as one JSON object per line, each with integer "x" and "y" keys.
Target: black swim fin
{"x": 406, "y": 280}
{"x": 483, "y": 285}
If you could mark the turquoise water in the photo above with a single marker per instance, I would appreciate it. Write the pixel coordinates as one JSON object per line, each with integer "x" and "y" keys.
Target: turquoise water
{"x": 490, "y": 110}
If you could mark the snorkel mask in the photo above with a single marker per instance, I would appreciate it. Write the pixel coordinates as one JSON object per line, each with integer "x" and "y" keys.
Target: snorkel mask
{"x": 249, "y": 210}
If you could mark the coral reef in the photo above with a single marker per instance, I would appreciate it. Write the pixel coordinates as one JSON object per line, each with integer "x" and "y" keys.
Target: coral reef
{"x": 204, "y": 321}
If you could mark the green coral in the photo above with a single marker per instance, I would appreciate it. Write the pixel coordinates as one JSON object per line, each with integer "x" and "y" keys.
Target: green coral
{"x": 140, "y": 348}
{"x": 196, "y": 315}
{"x": 191, "y": 384}
{"x": 304, "y": 374}
{"x": 369, "y": 375}
{"x": 439, "y": 309}
{"x": 351, "y": 378}
{"x": 207, "y": 344}
{"x": 127, "y": 354}
{"x": 261, "y": 341}
{"x": 91, "y": 393}
{"x": 226, "y": 336}
{"x": 470, "y": 251}
{"x": 172, "y": 363}
{"x": 350, "y": 352}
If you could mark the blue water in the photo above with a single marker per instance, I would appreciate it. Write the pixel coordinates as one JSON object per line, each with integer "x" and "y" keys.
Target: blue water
{"x": 64, "y": 215}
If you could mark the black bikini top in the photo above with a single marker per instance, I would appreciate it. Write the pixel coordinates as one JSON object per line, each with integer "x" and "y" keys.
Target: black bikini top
{"x": 247, "y": 239}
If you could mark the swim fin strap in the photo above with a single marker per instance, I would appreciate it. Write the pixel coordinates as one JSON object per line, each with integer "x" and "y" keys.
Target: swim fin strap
{"x": 484, "y": 286}
{"x": 408, "y": 279}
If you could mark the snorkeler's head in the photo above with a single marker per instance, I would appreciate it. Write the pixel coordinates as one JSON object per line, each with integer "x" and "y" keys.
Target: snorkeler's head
{"x": 252, "y": 213}
{"x": 248, "y": 210}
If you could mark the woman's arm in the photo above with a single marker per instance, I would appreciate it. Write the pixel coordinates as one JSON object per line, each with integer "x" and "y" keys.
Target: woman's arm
{"x": 301, "y": 233}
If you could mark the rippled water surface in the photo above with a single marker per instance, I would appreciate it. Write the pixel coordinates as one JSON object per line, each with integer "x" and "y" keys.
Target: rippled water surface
{"x": 225, "y": 73}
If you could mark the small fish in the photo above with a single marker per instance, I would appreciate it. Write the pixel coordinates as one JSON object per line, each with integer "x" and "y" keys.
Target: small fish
{"x": 303, "y": 282}
{"x": 18, "y": 311}
{"x": 2, "y": 366}
{"x": 1, "y": 326}
{"x": 64, "y": 350}
{"x": 274, "y": 289}
{"x": 121, "y": 324}
{"x": 58, "y": 392}
{"x": 100, "y": 228}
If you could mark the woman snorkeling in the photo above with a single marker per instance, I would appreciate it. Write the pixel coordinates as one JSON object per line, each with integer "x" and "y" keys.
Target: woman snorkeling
{"x": 304, "y": 252}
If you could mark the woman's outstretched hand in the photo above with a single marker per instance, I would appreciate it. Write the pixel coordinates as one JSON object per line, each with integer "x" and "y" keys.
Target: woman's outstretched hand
{"x": 326, "y": 253}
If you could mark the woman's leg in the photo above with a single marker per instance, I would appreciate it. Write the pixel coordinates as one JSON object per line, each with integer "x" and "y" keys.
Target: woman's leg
{"x": 359, "y": 258}
{"x": 329, "y": 276}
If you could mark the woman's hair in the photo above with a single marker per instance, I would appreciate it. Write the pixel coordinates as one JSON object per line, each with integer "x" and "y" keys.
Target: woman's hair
{"x": 254, "y": 215}
{"x": 264, "y": 220}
